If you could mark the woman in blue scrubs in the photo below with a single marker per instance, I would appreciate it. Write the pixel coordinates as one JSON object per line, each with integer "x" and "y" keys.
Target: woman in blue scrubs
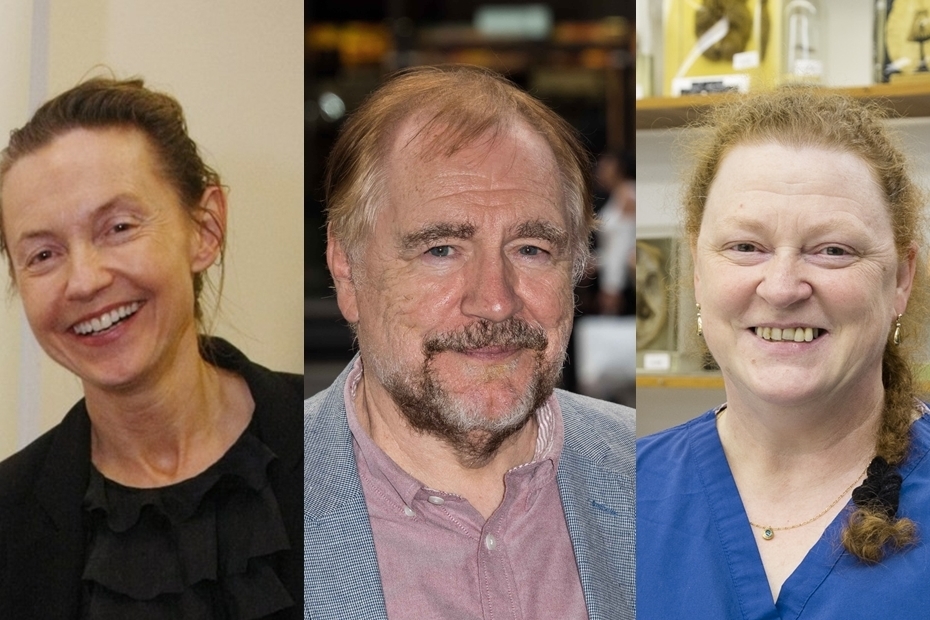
{"x": 806, "y": 495}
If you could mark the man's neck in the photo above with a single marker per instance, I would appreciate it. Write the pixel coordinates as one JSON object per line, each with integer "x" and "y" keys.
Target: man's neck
{"x": 432, "y": 460}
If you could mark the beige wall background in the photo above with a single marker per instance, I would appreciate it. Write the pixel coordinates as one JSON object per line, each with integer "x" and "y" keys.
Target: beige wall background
{"x": 236, "y": 66}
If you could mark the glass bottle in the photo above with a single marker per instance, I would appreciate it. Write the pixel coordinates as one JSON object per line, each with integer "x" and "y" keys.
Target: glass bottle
{"x": 802, "y": 41}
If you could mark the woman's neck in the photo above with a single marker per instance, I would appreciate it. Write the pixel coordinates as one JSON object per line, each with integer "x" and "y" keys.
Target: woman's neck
{"x": 835, "y": 425}
{"x": 795, "y": 468}
{"x": 170, "y": 428}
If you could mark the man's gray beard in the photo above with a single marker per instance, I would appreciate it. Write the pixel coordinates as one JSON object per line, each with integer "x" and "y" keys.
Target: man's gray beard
{"x": 429, "y": 407}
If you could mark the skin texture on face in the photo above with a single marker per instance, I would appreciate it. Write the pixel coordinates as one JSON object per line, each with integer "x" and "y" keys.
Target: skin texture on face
{"x": 97, "y": 235}
{"x": 798, "y": 237}
{"x": 463, "y": 296}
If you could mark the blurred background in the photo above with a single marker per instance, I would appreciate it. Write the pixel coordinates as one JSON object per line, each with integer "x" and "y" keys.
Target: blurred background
{"x": 577, "y": 56}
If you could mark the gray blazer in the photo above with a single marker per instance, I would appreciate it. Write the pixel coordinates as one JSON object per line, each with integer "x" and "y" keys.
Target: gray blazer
{"x": 596, "y": 478}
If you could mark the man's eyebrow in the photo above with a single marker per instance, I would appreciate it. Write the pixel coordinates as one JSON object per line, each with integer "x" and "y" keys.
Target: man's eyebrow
{"x": 436, "y": 232}
{"x": 540, "y": 229}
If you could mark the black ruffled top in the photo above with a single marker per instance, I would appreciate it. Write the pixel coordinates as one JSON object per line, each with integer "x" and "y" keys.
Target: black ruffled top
{"x": 201, "y": 548}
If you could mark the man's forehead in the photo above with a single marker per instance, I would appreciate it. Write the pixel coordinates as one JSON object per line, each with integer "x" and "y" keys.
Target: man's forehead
{"x": 425, "y": 137}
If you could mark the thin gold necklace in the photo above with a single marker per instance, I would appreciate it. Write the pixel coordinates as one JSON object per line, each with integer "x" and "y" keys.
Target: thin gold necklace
{"x": 768, "y": 531}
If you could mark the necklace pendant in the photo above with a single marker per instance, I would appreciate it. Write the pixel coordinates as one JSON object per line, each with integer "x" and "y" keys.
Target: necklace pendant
{"x": 768, "y": 533}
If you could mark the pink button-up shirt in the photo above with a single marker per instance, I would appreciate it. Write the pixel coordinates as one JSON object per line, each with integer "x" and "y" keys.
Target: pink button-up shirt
{"x": 439, "y": 558}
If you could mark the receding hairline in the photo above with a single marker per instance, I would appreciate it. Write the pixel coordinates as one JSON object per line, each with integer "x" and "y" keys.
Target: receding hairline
{"x": 474, "y": 103}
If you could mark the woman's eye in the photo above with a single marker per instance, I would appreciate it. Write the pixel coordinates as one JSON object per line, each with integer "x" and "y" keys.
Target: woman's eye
{"x": 440, "y": 251}
{"x": 834, "y": 251}
{"x": 41, "y": 256}
{"x": 744, "y": 247}
{"x": 121, "y": 227}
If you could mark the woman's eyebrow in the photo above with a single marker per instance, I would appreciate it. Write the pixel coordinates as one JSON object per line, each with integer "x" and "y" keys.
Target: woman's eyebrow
{"x": 99, "y": 212}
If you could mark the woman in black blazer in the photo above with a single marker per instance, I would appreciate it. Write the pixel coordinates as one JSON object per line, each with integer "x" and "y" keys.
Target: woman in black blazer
{"x": 173, "y": 488}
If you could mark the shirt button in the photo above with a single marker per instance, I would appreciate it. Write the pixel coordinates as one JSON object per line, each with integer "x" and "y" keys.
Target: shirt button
{"x": 490, "y": 542}
{"x": 436, "y": 500}
{"x": 408, "y": 511}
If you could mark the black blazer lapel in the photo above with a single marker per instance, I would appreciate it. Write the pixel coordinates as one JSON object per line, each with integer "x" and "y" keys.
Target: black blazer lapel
{"x": 46, "y": 557}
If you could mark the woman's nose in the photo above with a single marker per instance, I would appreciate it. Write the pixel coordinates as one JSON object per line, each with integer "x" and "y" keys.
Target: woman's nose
{"x": 87, "y": 273}
{"x": 784, "y": 280}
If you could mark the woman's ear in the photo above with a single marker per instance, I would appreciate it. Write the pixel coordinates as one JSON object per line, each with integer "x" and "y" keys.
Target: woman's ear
{"x": 907, "y": 268}
{"x": 210, "y": 235}
{"x": 697, "y": 275}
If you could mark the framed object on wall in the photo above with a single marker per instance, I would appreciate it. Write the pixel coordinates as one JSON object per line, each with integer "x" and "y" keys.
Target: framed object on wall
{"x": 721, "y": 45}
{"x": 656, "y": 306}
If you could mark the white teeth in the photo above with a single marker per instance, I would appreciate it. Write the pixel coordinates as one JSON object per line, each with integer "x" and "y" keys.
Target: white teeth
{"x": 105, "y": 320}
{"x": 789, "y": 334}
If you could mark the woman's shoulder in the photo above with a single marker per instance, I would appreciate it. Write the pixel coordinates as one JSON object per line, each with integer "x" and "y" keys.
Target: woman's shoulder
{"x": 265, "y": 384}
{"x": 20, "y": 472}
{"x": 671, "y": 442}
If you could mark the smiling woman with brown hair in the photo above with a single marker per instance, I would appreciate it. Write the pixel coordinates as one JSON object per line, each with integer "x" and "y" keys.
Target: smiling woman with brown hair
{"x": 172, "y": 489}
{"x": 806, "y": 494}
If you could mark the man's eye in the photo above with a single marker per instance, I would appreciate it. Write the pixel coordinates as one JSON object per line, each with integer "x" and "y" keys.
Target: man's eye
{"x": 744, "y": 247}
{"x": 834, "y": 251}
{"x": 530, "y": 250}
{"x": 441, "y": 251}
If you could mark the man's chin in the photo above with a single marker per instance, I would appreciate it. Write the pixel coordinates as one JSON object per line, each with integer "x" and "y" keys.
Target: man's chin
{"x": 474, "y": 423}
{"x": 476, "y": 447}
{"x": 474, "y": 408}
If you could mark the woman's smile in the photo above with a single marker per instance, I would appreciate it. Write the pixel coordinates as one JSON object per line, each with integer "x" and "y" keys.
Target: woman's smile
{"x": 106, "y": 320}
{"x": 788, "y": 334}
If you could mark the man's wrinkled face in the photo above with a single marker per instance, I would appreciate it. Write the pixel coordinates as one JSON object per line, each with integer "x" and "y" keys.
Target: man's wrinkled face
{"x": 463, "y": 295}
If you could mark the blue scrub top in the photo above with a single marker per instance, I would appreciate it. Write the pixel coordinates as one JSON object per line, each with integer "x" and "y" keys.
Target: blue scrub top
{"x": 697, "y": 558}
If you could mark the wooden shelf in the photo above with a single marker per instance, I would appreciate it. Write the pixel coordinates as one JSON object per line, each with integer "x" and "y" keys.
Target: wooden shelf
{"x": 700, "y": 380}
{"x": 905, "y": 99}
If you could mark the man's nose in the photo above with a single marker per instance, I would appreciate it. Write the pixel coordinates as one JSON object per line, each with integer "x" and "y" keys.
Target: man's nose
{"x": 491, "y": 289}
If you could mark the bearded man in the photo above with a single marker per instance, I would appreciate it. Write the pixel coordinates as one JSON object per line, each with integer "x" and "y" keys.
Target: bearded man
{"x": 444, "y": 475}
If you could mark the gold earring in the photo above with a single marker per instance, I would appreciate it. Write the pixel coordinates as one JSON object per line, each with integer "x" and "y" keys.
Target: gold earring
{"x": 700, "y": 325}
{"x": 897, "y": 331}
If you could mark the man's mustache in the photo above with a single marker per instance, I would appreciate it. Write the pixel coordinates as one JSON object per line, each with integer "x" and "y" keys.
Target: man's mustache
{"x": 512, "y": 333}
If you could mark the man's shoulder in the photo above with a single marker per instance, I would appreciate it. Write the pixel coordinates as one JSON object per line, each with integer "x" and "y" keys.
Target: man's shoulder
{"x": 313, "y": 404}
{"x": 328, "y": 399}
{"x": 599, "y": 429}
{"x": 601, "y": 414}
{"x": 326, "y": 431}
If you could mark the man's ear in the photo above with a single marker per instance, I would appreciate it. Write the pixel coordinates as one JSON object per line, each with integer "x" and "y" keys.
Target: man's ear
{"x": 338, "y": 262}
{"x": 210, "y": 235}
